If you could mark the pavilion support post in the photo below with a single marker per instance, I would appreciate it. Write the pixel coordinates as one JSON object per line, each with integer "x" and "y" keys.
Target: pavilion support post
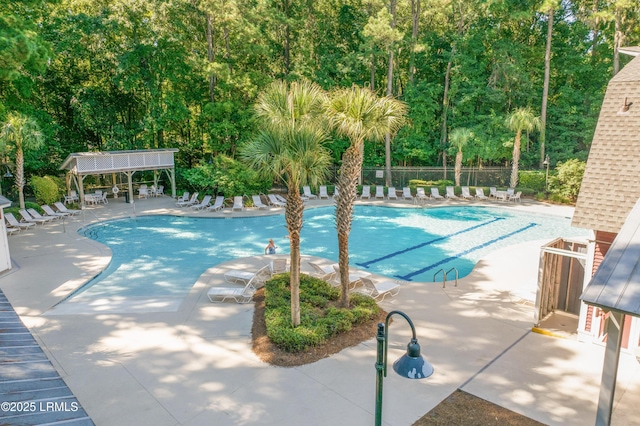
{"x": 615, "y": 323}
{"x": 81, "y": 190}
{"x": 172, "y": 177}
{"x": 130, "y": 184}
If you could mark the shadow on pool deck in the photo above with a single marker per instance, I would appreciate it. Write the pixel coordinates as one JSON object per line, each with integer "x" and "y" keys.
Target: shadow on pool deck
{"x": 195, "y": 366}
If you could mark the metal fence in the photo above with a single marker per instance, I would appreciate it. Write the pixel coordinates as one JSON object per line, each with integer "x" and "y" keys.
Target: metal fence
{"x": 400, "y": 176}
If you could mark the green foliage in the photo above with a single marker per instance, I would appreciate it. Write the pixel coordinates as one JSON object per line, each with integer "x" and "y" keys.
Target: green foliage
{"x": 441, "y": 183}
{"x": 566, "y": 183}
{"x": 225, "y": 176}
{"x": 533, "y": 180}
{"x": 45, "y": 189}
{"x": 320, "y": 317}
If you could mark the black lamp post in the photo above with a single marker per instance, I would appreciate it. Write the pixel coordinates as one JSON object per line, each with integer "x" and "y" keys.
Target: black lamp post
{"x": 411, "y": 365}
{"x": 546, "y": 179}
{"x": 7, "y": 175}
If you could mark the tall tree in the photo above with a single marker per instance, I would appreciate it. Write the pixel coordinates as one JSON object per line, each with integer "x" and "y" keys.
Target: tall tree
{"x": 458, "y": 138}
{"x": 519, "y": 120}
{"x": 360, "y": 115}
{"x": 20, "y": 133}
{"x": 548, "y": 7}
{"x": 290, "y": 148}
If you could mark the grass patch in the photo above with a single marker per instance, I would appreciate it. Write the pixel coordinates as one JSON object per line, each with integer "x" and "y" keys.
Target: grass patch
{"x": 321, "y": 318}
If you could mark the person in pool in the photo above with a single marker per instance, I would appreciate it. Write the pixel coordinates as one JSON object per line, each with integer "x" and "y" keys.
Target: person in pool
{"x": 270, "y": 248}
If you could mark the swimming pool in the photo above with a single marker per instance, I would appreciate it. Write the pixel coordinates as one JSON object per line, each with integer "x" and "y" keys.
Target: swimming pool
{"x": 165, "y": 255}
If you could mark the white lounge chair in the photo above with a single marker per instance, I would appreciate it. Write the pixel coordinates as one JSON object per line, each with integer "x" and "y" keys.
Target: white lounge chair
{"x": 515, "y": 197}
{"x": 143, "y": 192}
{"x": 184, "y": 197}
{"x": 451, "y": 194}
{"x": 274, "y": 201}
{"x": 193, "y": 200}
{"x": 406, "y": 193}
{"x": 103, "y": 199}
{"x": 11, "y": 230}
{"x": 236, "y": 275}
{"x": 71, "y": 197}
{"x": 159, "y": 191}
{"x": 26, "y": 217}
{"x": 510, "y": 192}
{"x": 36, "y": 215}
{"x": 11, "y": 220}
{"x": 435, "y": 194}
{"x": 218, "y": 204}
{"x": 354, "y": 277}
{"x": 480, "y": 194}
{"x": 257, "y": 202}
{"x": 366, "y": 192}
{"x": 278, "y": 266}
{"x": 493, "y": 192}
{"x": 391, "y": 193}
{"x": 50, "y": 212}
{"x": 63, "y": 209}
{"x": 281, "y": 199}
{"x": 379, "y": 192}
{"x": 202, "y": 204}
{"x": 239, "y": 294}
{"x": 335, "y": 192}
{"x": 323, "y": 192}
{"x": 237, "y": 203}
{"x": 323, "y": 272}
{"x": 307, "y": 193}
{"x": 420, "y": 195}
{"x": 379, "y": 290}
{"x": 465, "y": 193}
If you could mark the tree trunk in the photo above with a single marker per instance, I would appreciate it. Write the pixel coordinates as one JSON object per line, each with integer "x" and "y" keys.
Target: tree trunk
{"x": 293, "y": 216}
{"x": 458, "y": 167}
{"x": 227, "y": 53}
{"x": 287, "y": 40}
{"x": 349, "y": 173}
{"x": 617, "y": 41}
{"x": 516, "y": 160}
{"x": 210, "y": 54}
{"x": 545, "y": 89}
{"x": 387, "y": 138}
{"x": 415, "y": 19}
{"x": 445, "y": 108}
{"x": 20, "y": 174}
{"x": 372, "y": 83}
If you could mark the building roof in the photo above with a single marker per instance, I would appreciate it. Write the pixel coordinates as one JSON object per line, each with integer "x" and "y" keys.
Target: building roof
{"x": 616, "y": 283}
{"x": 85, "y": 163}
{"x": 4, "y": 202}
{"x": 611, "y": 183}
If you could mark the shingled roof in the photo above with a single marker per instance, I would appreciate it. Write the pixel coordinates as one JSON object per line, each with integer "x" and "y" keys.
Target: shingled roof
{"x": 611, "y": 184}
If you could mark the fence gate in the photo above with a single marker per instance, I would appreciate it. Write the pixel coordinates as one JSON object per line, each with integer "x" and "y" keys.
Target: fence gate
{"x": 560, "y": 277}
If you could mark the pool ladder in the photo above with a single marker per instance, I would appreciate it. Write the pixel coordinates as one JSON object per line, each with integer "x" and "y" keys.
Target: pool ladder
{"x": 444, "y": 276}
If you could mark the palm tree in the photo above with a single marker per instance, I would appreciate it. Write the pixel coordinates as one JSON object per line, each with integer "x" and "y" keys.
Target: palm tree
{"x": 519, "y": 120}
{"x": 20, "y": 133}
{"x": 290, "y": 148}
{"x": 459, "y": 138}
{"x": 360, "y": 115}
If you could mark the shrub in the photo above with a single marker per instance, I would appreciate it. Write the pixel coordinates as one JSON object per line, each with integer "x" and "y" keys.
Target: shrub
{"x": 225, "y": 176}
{"x": 566, "y": 183}
{"x": 532, "y": 180}
{"x": 45, "y": 189}
{"x": 320, "y": 317}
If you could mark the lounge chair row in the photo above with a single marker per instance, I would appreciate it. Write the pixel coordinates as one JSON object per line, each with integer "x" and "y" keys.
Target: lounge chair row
{"x": 235, "y": 203}
{"x": 251, "y": 281}
{"x": 31, "y": 217}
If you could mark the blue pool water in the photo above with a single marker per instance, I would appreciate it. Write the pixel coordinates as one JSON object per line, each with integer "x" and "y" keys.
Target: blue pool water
{"x": 165, "y": 255}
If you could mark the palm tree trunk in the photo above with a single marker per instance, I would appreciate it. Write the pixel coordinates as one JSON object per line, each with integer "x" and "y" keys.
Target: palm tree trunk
{"x": 349, "y": 172}
{"x": 20, "y": 175}
{"x": 458, "y": 167}
{"x": 516, "y": 160}
{"x": 294, "y": 214}
{"x": 545, "y": 87}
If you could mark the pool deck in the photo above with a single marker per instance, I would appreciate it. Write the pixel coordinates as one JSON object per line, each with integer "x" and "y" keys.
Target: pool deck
{"x": 192, "y": 363}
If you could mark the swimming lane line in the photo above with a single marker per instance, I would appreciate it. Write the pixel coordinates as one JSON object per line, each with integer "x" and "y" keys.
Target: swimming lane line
{"x": 448, "y": 259}
{"x": 444, "y": 237}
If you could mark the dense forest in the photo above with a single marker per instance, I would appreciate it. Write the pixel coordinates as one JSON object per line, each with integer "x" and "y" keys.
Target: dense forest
{"x": 136, "y": 74}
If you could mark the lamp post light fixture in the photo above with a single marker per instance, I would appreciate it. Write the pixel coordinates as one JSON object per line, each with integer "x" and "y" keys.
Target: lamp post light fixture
{"x": 411, "y": 365}
{"x": 7, "y": 175}
{"x": 546, "y": 163}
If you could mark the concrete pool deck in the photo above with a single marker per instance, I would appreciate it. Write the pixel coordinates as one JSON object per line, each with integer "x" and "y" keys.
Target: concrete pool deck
{"x": 194, "y": 365}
